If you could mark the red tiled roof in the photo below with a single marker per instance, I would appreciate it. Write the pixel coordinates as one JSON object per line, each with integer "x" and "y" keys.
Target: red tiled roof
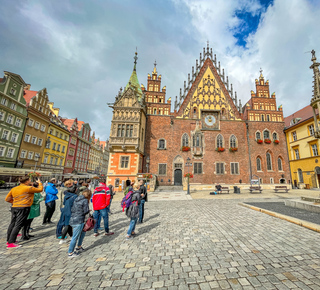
{"x": 303, "y": 114}
{"x": 68, "y": 122}
{"x": 103, "y": 143}
{"x": 80, "y": 123}
{"x": 28, "y": 95}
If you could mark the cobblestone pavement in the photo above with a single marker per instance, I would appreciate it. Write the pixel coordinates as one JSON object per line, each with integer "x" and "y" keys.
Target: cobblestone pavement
{"x": 186, "y": 244}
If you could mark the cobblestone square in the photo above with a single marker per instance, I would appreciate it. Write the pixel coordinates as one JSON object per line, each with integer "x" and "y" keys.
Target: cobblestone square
{"x": 183, "y": 244}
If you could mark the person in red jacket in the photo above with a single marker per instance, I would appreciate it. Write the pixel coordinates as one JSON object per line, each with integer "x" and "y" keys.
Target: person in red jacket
{"x": 101, "y": 201}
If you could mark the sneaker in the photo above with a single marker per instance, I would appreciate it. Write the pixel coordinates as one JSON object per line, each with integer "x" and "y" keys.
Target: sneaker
{"x": 128, "y": 237}
{"x": 19, "y": 235}
{"x": 62, "y": 242}
{"x": 73, "y": 255}
{"x": 80, "y": 250}
{"x": 13, "y": 245}
{"x": 96, "y": 234}
{"x": 60, "y": 237}
{"x": 50, "y": 223}
{"x": 109, "y": 234}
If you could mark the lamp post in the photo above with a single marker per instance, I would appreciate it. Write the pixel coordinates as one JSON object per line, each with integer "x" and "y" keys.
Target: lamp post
{"x": 315, "y": 101}
{"x": 36, "y": 158}
{"x": 147, "y": 163}
{"x": 188, "y": 164}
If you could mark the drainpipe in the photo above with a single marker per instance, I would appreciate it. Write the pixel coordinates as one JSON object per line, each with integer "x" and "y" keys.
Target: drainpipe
{"x": 250, "y": 168}
{"x": 285, "y": 136}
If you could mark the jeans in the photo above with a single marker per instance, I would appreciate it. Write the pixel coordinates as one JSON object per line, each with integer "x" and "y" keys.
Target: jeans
{"x": 105, "y": 215}
{"x": 132, "y": 226}
{"x": 141, "y": 210}
{"x": 18, "y": 220}
{"x": 98, "y": 220}
{"x": 50, "y": 208}
{"x": 78, "y": 235}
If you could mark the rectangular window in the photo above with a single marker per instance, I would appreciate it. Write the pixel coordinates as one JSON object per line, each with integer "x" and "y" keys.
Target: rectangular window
{"x": 51, "y": 132}
{"x": 18, "y": 122}
{"x": 13, "y": 91}
{"x": 54, "y": 146}
{"x": 37, "y": 125}
{"x": 27, "y": 138}
{"x": 197, "y": 167}
{"x": 58, "y": 149}
{"x": 34, "y": 140}
{"x": 43, "y": 128}
{"x": 10, "y": 119}
{"x": 124, "y": 161}
{"x": 294, "y": 136}
{"x": 60, "y": 135}
{"x": 51, "y": 160}
{"x": 314, "y": 149}
{"x": 10, "y": 153}
{"x": 311, "y": 130}
{"x": 4, "y": 101}
{"x": 30, "y": 123}
{"x": 45, "y": 160}
{"x": 56, "y": 161}
{"x": 14, "y": 137}
{"x": 1, "y": 115}
{"x": 61, "y": 161}
{"x": 63, "y": 149}
{"x": 2, "y": 149}
{"x": 296, "y": 152}
{"x": 30, "y": 155}
{"x": 220, "y": 168}
{"x": 40, "y": 142}
{"x": 23, "y": 154}
{"x": 162, "y": 169}
{"x": 234, "y": 167}
{"x": 5, "y": 135}
{"x": 268, "y": 118}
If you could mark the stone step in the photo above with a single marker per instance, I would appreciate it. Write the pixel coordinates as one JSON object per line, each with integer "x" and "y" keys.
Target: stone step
{"x": 169, "y": 188}
{"x": 311, "y": 206}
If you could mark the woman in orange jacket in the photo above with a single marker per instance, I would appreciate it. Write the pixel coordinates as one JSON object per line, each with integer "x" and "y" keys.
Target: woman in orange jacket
{"x": 21, "y": 198}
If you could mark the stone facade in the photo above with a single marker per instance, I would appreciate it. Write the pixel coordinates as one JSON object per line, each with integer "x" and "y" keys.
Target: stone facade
{"x": 209, "y": 133}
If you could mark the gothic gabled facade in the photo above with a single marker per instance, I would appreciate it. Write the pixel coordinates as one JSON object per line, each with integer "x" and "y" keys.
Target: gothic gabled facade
{"x": 208, "y": 127}
{"x": 127, "y": 134}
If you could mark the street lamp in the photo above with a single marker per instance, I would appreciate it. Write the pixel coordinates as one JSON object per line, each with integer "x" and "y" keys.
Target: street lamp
{"x": 188, "y": 164}
{"x": 36, "y": 158}
{"x": 147, "y": 163}
{"x": 315, "y": 101}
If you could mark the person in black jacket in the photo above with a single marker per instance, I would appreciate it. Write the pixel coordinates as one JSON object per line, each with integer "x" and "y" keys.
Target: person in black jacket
{"x": 78, "y": 214}
{"x": 133, "y": 211}
{"x": 144, "y": 198}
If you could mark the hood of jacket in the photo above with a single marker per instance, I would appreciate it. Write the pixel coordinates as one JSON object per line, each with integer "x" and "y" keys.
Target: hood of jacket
{"x": 69, "y": 194}
{"x": 82, "y": 188}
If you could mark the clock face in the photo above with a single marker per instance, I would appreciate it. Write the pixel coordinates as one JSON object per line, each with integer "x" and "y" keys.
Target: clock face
{"x": 210, "y": 120}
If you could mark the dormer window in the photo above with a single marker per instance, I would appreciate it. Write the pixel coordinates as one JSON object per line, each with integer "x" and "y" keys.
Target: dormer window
{"x": 161, "y": 144}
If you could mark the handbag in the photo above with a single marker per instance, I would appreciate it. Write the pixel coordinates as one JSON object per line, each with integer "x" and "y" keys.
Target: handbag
{"x": 89, "y": 225}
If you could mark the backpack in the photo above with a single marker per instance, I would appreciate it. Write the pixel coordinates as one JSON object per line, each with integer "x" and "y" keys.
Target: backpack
{"x": 127, "y": 200}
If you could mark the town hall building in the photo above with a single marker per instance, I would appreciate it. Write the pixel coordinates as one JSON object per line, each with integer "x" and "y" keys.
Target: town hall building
{"x": 209, "y": 133}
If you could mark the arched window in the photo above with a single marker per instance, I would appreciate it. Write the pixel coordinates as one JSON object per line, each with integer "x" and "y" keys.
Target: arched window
{"x": 161, "y": 144}
{"x": 219, "y": 141}
{"x": 233, "y": 141}
{"x": 280, "y": 164}
{"x": 269, "y": 163}
{"x": 197, "y": 140}
{"x": 185, "y": 140}
{"x": 275, "y": 136}
{"x": 258, "y": 135}
{"x": 266, "y": 134}
{"x": 300, "y": 175}
{"x": 259, "y": 164}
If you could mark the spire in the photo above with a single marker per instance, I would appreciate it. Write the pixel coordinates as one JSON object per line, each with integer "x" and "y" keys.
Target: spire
{"x": 261, "y": 75}
{"x": 155, "y": 67}
{"x": 133, "y": 81}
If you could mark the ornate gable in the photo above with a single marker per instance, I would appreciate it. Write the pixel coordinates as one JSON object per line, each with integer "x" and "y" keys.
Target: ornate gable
{"x": 127, "y": 99}
{"x": 208, "y": 91}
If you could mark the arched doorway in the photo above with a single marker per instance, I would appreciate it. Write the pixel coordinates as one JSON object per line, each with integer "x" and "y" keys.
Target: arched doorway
{"x": 317, "y": 172}
{"x": 178, "y": 177}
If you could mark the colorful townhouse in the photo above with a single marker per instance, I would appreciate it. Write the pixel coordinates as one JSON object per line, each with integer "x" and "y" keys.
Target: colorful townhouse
{"x": 303, "y": 149}
{"x": 13, "y": 115}
{"x": 83, "y": 148}
{"x": 36, "y": 129}
{"x": 105, "y": 158}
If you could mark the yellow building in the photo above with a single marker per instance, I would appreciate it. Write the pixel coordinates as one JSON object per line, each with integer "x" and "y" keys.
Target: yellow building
{"x": 55, "y": 152}
{"x": 303, "y": 149}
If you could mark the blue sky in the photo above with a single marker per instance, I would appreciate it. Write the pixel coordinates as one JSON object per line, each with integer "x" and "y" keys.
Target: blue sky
{"x": 82, "y": 51}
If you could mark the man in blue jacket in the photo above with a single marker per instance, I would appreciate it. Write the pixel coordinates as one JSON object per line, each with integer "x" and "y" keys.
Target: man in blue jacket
{"x": 51, "y": 196}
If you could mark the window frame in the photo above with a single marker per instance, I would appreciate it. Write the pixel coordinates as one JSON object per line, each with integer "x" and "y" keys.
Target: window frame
{"x": 197, "y": 167}
{"x": 220, "y": 168}
{"x": 269, "y": 161}
{"x": 162, "y": 144}
{"x": 165, "y": 171}
{"x": 234, "y": 166}
{"x": 124, "y": 160}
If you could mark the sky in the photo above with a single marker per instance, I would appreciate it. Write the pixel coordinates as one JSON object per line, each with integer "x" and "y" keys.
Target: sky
{"x": 82, "y": 51}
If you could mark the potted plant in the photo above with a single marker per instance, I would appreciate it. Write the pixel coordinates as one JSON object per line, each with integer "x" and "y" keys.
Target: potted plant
{"x": 185, "y": 148}
{"x": 220, "y": 149}
{"x": 233, "y": 149}
{"x": 189, "y": 175}
{"x": 267, "y": 141}
{"x": 259, "y": 141}
{"x": 276, "y": 141}
{"x": 147, "y": 175}
{"x": 34, "y": 175}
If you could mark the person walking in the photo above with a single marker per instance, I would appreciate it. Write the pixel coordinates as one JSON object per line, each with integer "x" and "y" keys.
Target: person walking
{"x": 132, "y": 211}
{"x": 21, "y": 198}
{"x": 69, "y": 198}
{"x": 100, "y": 202}
{"x": 144, "y": 198}
{"x": 51, "y": 196}
{"x": 34, "y": 212}
{"x": 79, "y": 211}
{"x": 112, "y": 194}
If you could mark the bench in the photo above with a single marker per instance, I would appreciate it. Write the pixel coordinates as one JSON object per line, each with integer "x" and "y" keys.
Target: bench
{"x": 255, "y": 188}
{"x": 223, "y": 189}
{"x": 281, "y": 187}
